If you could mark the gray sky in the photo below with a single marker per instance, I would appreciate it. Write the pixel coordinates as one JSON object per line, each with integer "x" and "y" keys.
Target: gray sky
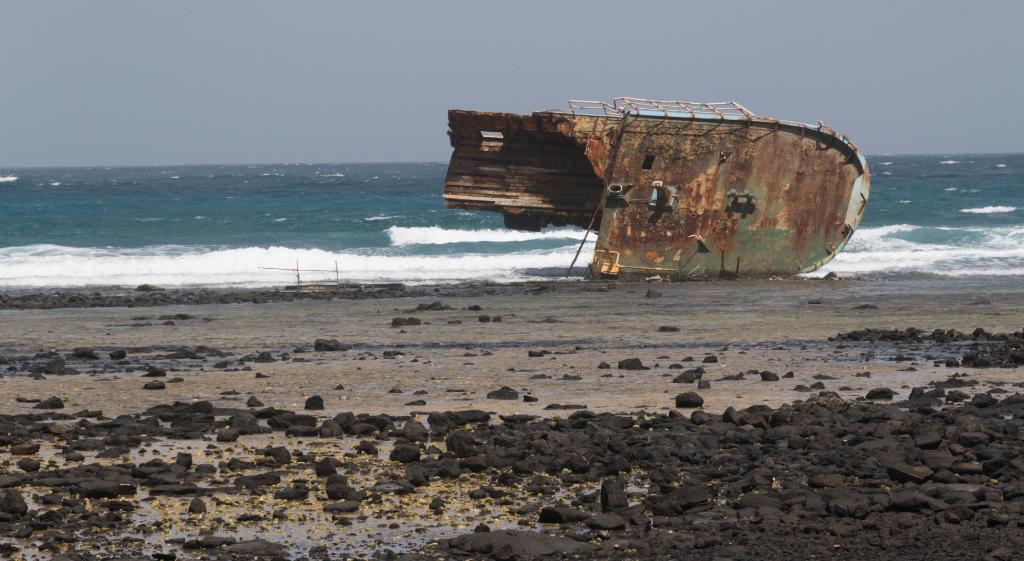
{"x": 111, "y": 82}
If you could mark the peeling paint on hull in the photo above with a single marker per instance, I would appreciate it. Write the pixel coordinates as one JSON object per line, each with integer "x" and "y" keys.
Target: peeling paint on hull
{"x": 684, "y": 191}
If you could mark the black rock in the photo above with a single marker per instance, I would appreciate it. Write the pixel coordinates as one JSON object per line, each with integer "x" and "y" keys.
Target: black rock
{"x": 504, "y": 392}
{"x": 314, "y": 403}
{"x": 689, "y": 376}
{"x": 982, "y": 400}
{"x": 50, "y": 403}
{"x": 631, "y": 364}
{"x": 330, "y": 345}
{"x": 613, "y": 494}
{"x": 561, "y": 514}
{"x": 564, "y": 406}
{"x": 154, "y": 372}
{"x": 280, "y": 454}
{"x": 606, "y": 521}
{"x": 689, "y": 400}
{"x": 880, "y": 393}
{"x": 11, "y": 502}
{"x": 119, "y": 354}
{"x": 518, "y": 544}
{"x": 264, "y": 357}
{"x": 197, "y": 506}
{"x": 680, "y": 500}
{"x": 85, "y": 353}
{"x": 154, "y": 385}
{"x": 405, "y": 453}
{"x": 767, "y": 376}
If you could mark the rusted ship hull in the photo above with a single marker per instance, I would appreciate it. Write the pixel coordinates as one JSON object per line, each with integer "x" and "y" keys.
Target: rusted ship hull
{"x": 675, "y": 189}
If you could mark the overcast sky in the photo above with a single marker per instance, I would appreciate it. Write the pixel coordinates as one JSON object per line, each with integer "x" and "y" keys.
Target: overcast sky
{"x": 112, "y": 82}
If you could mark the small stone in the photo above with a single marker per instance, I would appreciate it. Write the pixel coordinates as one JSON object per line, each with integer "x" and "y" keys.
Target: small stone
{"x": 314, "y": 403}
{"x": 154, "y": 385}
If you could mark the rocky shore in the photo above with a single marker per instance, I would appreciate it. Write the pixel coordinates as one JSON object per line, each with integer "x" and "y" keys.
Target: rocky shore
{"x": 592, "y": 421}
{"x": 932, "y": 477}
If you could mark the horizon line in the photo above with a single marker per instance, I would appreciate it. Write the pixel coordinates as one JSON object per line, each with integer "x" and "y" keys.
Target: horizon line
{"x": 384, "y": 162}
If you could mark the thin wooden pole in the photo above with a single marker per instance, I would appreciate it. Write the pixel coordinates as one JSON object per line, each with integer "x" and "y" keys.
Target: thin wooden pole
{"x": 593, "y": 217}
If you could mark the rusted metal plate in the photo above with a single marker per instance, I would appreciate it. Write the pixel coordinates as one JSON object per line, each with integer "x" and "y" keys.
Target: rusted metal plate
{"x": 682, "y": 191}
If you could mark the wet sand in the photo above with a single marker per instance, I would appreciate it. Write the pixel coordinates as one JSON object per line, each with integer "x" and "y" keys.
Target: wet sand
{"x": 746, "y": 326}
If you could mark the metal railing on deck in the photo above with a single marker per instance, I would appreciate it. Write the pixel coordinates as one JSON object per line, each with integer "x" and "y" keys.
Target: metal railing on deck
{"x": 692, "y": 109}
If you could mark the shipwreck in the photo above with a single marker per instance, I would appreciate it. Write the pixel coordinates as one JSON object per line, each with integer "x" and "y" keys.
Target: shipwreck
{"x": 677, "y": 189}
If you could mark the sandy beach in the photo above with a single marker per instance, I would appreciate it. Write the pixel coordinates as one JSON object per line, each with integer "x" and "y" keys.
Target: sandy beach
{"x": 780, "y": 326}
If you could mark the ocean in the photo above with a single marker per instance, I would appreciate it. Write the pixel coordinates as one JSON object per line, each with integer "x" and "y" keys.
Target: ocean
{"x": 217, "y": 225}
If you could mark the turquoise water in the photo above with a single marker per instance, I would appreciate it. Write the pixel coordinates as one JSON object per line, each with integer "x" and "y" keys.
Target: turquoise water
{"x": 216, "y": 225}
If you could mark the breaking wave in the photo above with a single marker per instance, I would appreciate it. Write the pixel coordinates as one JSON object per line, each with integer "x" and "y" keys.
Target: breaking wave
{"x": 401, "y": 236}
{"x": 956, "y": 252}
{"x": 989, "y": 210}
{"x": 8, "y": 178}
{"x": 62, "y": 266}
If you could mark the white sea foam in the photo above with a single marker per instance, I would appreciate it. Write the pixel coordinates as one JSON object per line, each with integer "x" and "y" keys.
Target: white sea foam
{"x": 280, "y": 220}
{"x": 1000, "y": 165}
{"x": 989, "y": 210}
{"x": 966, "y": 251}
{"x": 61, "y": 266}
{"x": 55, "y": 184}
{"x": 886, "y": 163}
{"x": 8, "y": 178}
{"x": 433, "y": 235}
{"x": 381, "y": 217}
{"x": 949, "y": 162}
{"x": 332, "y": 175}
{"x": 950, "y": 189}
